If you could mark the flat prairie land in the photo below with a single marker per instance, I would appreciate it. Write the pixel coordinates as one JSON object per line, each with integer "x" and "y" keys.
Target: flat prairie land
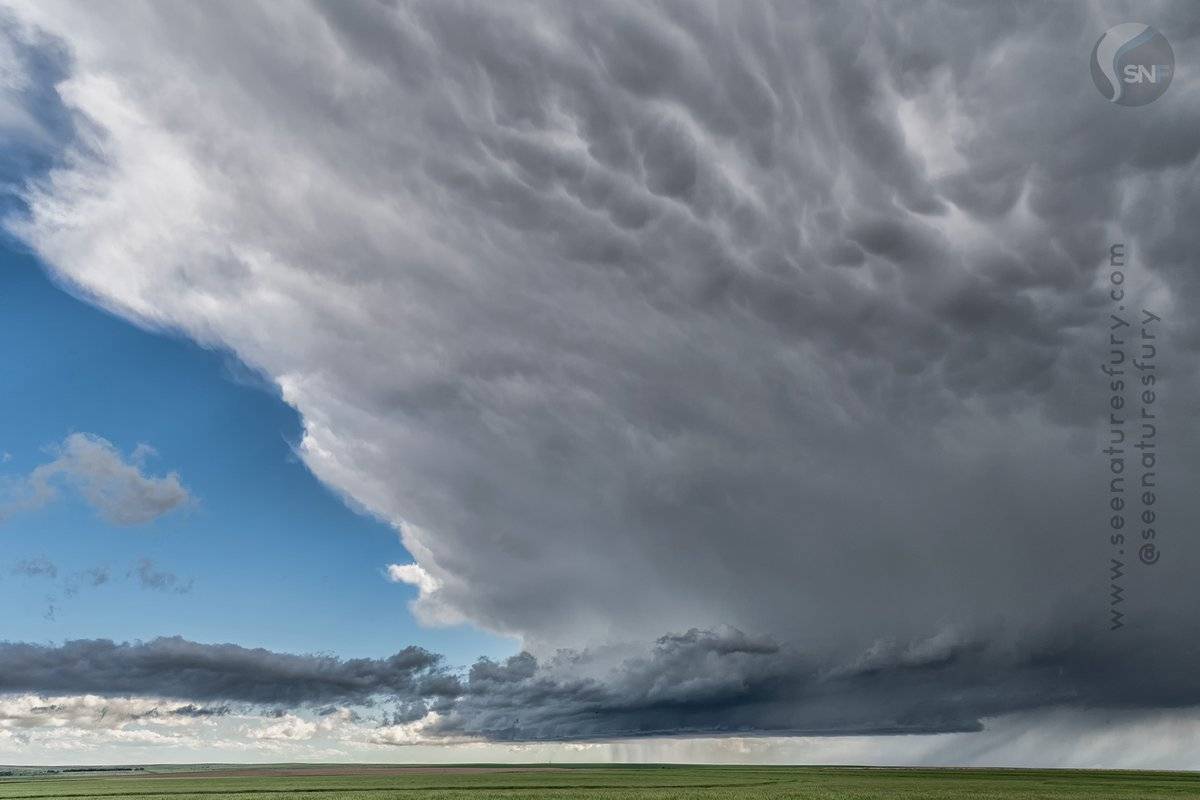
{"x": 554, "y": 782}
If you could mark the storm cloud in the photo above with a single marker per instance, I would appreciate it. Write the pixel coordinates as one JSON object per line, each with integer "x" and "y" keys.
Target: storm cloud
{"x": 176, "y": 668}
{"x": 727, "y": 683}
{"x": 716, "y": 682}
{"x": 639, "y": 318}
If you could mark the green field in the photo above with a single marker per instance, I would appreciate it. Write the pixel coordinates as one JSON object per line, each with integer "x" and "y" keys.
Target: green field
{"x": 633, "y": 782}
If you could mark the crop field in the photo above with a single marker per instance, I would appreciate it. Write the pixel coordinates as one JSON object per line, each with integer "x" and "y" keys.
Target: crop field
{"x": 655, "y": 782}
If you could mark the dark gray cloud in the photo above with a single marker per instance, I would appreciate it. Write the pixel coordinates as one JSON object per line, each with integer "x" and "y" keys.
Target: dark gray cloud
{"x": 726, "y": 683}
{"x": 699, "y": 682}
{"x": 176, "y": 668}
{"x": 643, "y": 318}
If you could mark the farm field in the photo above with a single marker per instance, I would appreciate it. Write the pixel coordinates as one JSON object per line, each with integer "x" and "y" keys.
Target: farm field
{"x": 652, "y": 782}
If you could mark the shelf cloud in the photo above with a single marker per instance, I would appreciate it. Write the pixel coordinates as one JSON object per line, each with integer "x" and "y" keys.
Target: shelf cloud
{"x": 714, "y": 682}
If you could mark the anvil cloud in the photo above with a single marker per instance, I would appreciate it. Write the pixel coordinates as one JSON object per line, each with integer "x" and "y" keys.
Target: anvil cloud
{"x": 638, "y": 319}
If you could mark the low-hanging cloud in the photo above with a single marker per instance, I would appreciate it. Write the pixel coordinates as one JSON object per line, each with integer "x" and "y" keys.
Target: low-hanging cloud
{"x": 702, "y": 683}
{"x": 643, "y": 318}
{"x": 25, "y": 711}
{"x": 177, "y": 668}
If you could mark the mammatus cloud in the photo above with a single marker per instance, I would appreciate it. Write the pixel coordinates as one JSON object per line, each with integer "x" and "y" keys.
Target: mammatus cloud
{"x": 116, "y": 488}
{"x": 637, "y": 319}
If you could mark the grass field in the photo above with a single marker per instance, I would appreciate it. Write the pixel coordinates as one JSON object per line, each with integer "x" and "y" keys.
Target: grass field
{"x": 280, "y": 782}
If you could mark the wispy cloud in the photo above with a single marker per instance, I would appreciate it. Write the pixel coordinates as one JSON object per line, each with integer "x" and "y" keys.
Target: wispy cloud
{"x": 91, "y": 577}
{"x": 144, "y": 574}
{"x": 36, "y": 567}
{"x": 117, "y": 488}
{"x": 149, "y": 576}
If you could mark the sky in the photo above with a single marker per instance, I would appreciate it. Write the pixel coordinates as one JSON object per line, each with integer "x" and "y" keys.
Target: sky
{"x": 683, "y": 381}
{"x": 250, "y": 527}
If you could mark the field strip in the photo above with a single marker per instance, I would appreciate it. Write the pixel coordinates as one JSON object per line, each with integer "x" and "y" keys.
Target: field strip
{"x": 444, "y": 788}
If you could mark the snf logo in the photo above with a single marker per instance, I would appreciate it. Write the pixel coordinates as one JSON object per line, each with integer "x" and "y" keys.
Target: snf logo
{"x": 1132, "y": 64}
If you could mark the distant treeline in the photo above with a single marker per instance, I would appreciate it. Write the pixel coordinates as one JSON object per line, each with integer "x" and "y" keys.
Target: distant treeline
{"x": 9, "y": 773}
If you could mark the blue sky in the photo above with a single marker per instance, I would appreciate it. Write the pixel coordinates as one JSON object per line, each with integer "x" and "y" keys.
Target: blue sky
{"x": 274, "y": 558}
